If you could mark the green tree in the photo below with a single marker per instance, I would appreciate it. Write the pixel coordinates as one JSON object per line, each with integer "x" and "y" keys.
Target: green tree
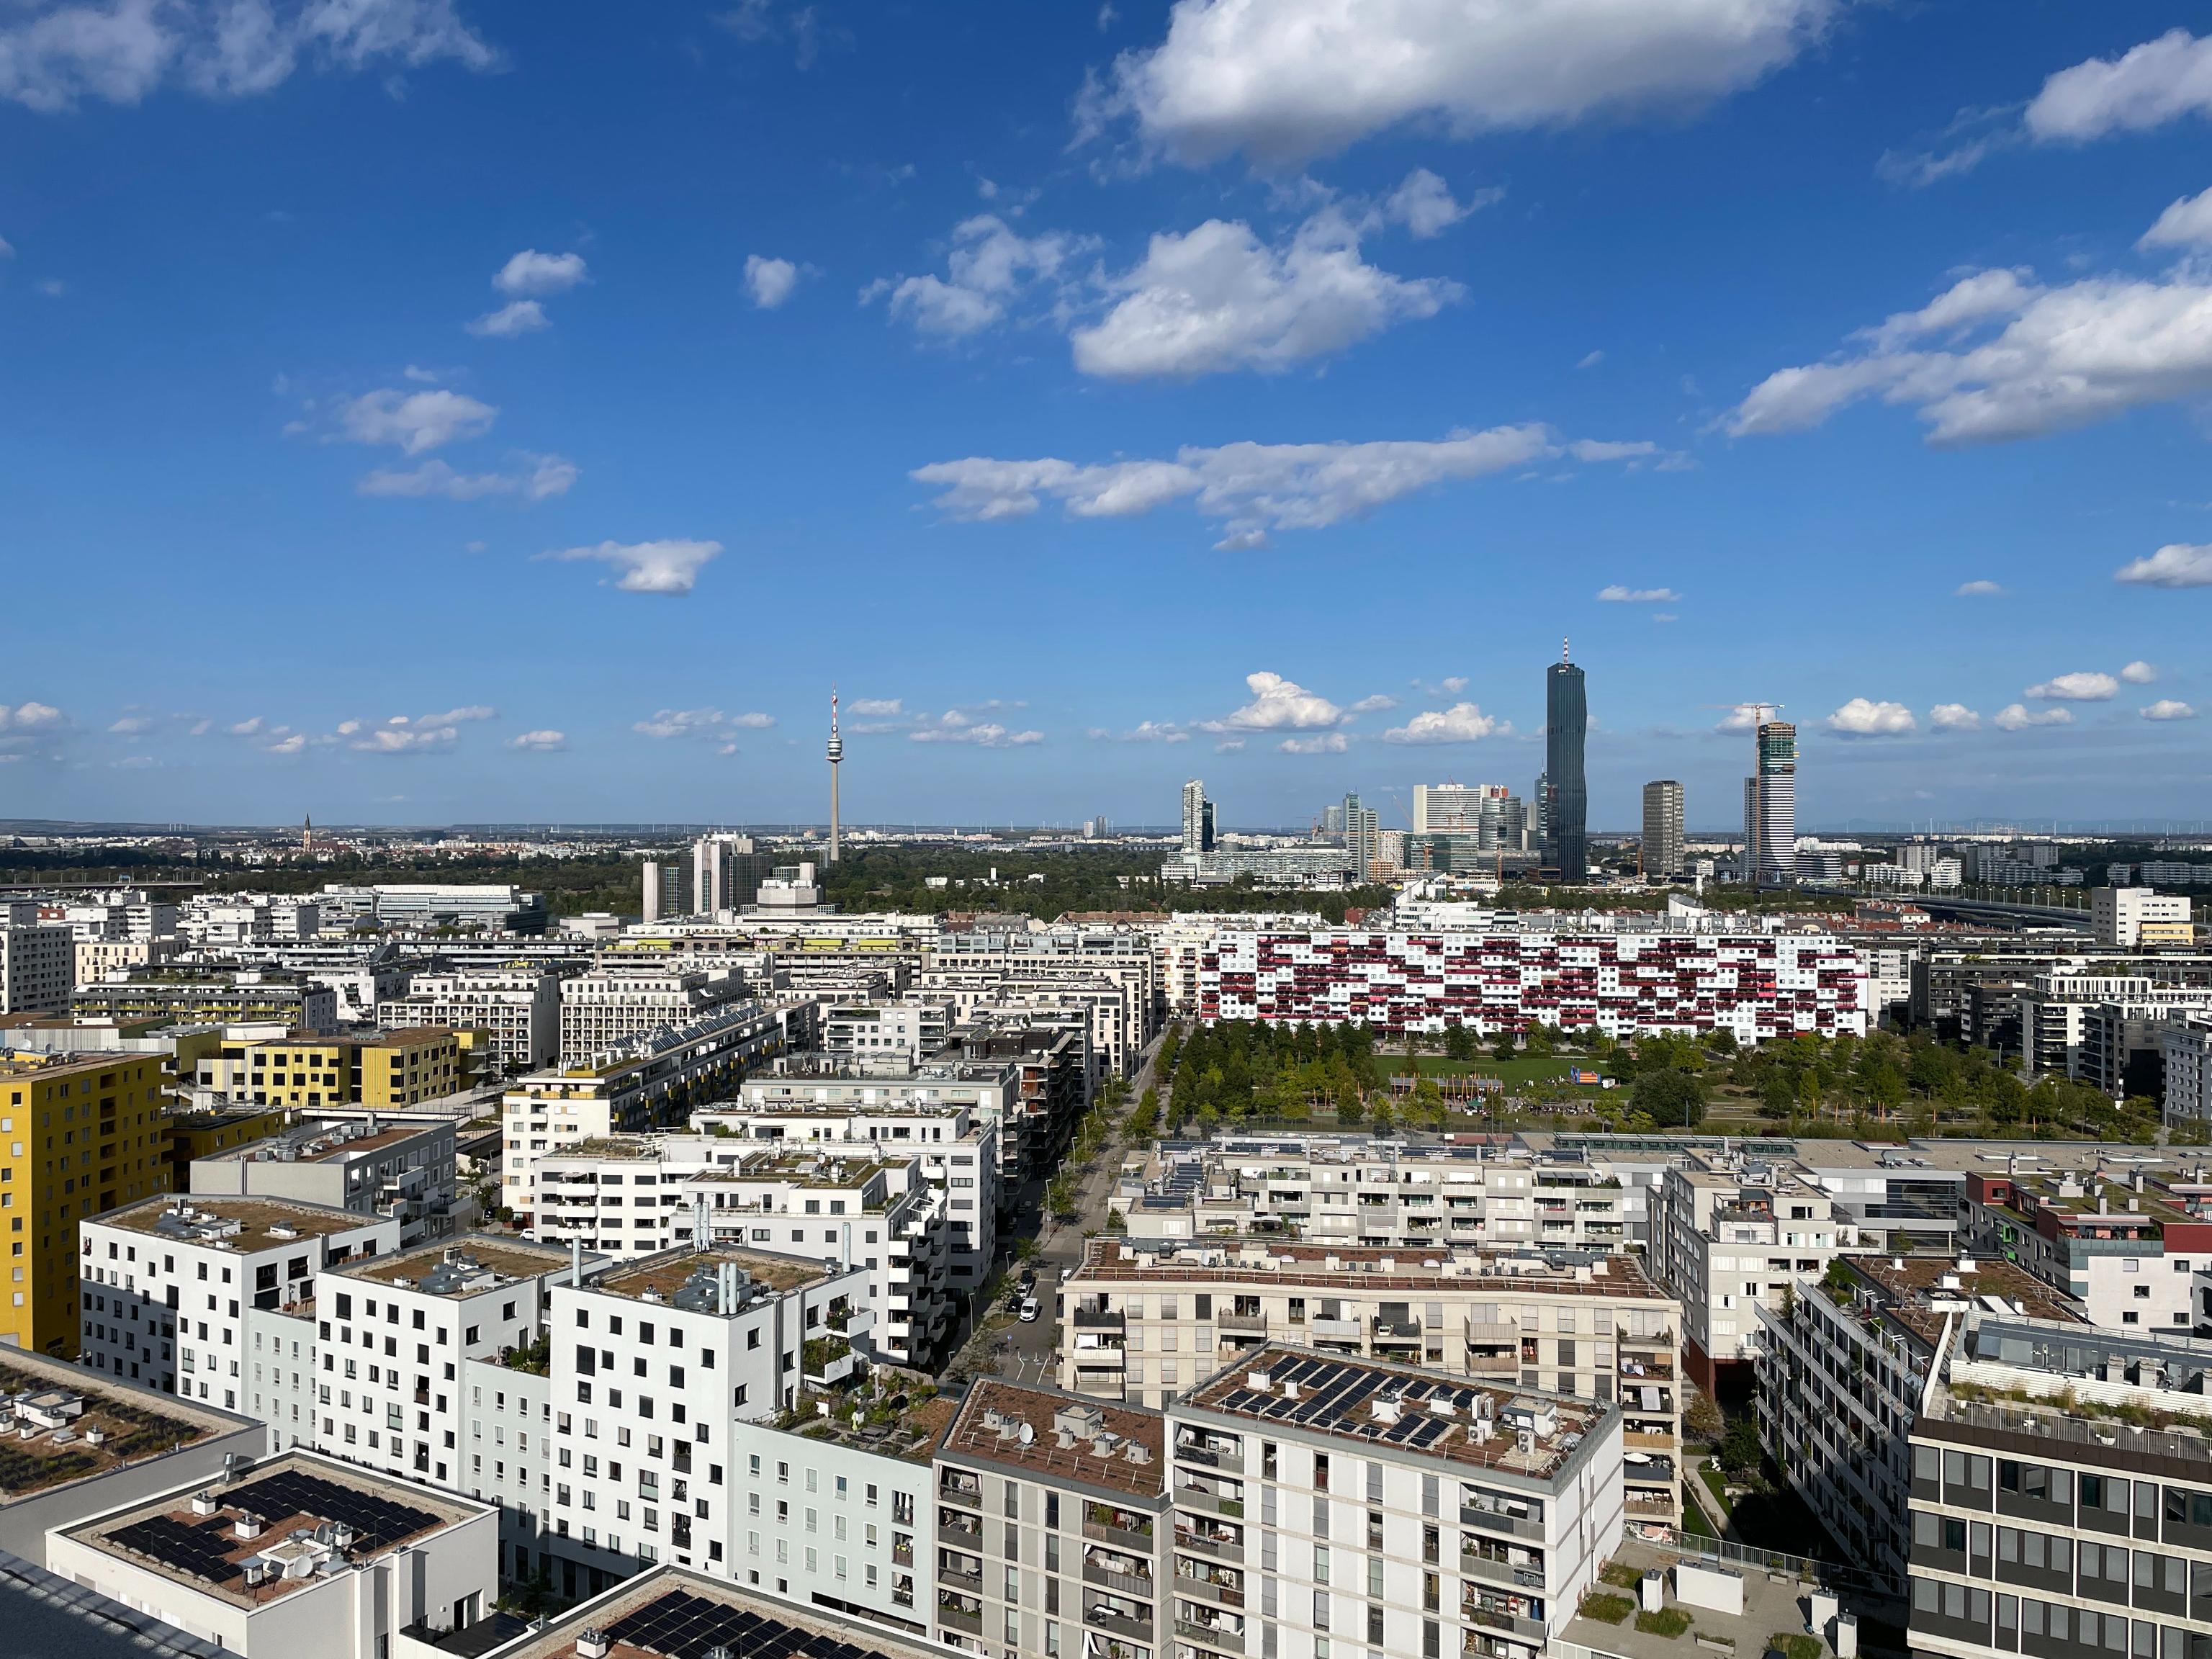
{"x": 1740, "y": 1447}
{"x": 1670, "y": 1098}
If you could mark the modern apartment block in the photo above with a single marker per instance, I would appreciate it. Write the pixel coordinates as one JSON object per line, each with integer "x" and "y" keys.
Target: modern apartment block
{"x": 646, "y": 1082}
{"x": 2124, "y": 1249}
{"x": 618, "y": 1001}
{"x": 1051, "y": 1535}
{"x": 631, "y": 1196}
{"x": 1848, "y": 1360}
{"x": 1662, "y": 848}
{"x": 1729, "y": 1238}
{"x": 1140, "y": 1324}
{"x": 1393, "y": 1510}
{"x": 38, "y": 968}
{"x": 2043, "y": 1521}
{"x": 519, "y": 1004}
{"x": 170, "y": 1288}
{"x": 176, "y": 994}
{"x": 80, "y": 1134}
{"x": 396, "y": 1069}
{"x": 2185, "y": 1053}
{"x": 905, "y": 1032}
{"x": 399, "y": 1168}
{"x": 2125, "y": 918}
{"x": 1359, "y": 1191}
{"x": 1756, "y": 986}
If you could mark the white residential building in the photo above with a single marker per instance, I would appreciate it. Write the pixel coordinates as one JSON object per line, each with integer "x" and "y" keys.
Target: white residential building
{"x": 906, "y": 1032}
{"x": 169, "y": 1288}
{"x": 372, "y": 1164}
{"x": 2119, "y": 915}
{"x": 614, "y": 1004}
{"x": 520, "y": 1005}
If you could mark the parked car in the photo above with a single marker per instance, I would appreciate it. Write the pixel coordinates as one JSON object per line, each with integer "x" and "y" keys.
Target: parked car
{"x": 1030, "y": 1310}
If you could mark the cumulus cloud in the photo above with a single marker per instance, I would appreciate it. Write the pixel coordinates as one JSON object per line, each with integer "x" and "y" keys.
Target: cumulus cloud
{"x": 403, "y": 737}
{"x": 710, "y": 726}
{"x": 1617, "y": 594}
{"x": 517, "y": 316}
{"x": 1463, "y": 722}
{"x": 1284, "y": 81}
{"x": 2168, "y": 709}
{"x": 1320, "y": 743}
{"x": 536, "y": 479}
{"x": 1372, "y": 705}
{"x": 2185, "y": 223}
{"x": 1862, "y": 717}
{"x": 530, "y": 272}
{"x": 1143, "y": 731}
{"x": 1976, "y": 590}
{"x": 1255, "y": 487}
{"x": 1744, "y": 717}
{"x": 990, "y": 267}
{"x": 1953, "y": 717}
{"x": 662, "y": 566}
{"x": 55, "y": 57}
{"x": 769, "y": 281}
{"x": 878, "y": 708}
{"x": 1424, "y": 204}
{"x": 2178, "y": 564}
{"x": 1278, "y": 705}
{"x": 31, "y": 717}
{"x": 540, "y": 742}
{"x": 1218, "y": 299}
{"x": 2019, "y": 362}
{"x": 2148, "y": 86}
{"x": 956, "y": 726}
{"x": 2081, "y": 687}
{"x": 2140, "y": 673}
{"x": 414, "y": 422}
{"x": 2014, "y": 717}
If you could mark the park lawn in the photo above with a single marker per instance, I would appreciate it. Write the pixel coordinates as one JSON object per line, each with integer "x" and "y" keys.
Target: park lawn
{"x": 1516, "y": 1073}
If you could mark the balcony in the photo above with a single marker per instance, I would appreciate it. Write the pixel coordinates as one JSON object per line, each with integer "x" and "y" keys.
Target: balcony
{"x": 960, "y": 1578}
{"x": 1100, "y": 1319}
{"x": 957, "y": 1488}
{"x": 1210, "y": 1503}
{"x": 1217, "y": 1454}
{"x": 1102, "y": 1617}
{"x": 1214, "y": 1546}
{"x": 1117, "y": 1579}
{"x": 1231, "y": 1324}
{"x": 960, "y": 1533}
{"x": 1103, "y": 1529}
{"x": 1513, "y": 1526}
{"x": 1224, "y": 1637}
{"x": 1215, "y": 1584}
{"x": 960, "y": 1614}
{"x": 1397, "y": 1333}
{"x": 1490, "y": 1571}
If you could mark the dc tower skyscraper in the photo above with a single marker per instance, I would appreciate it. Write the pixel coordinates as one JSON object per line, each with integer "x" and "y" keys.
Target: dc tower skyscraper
{"x": 1566, "y": 819}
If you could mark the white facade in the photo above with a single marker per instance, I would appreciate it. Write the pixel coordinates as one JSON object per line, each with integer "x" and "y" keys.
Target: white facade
{"x": 519, "y": 1005}
{"x": 2117, "y": 914}
{"x": 909, "y": 1031}
{"x": 614, "y": 1004}
{"x": 1728, "y": 1244}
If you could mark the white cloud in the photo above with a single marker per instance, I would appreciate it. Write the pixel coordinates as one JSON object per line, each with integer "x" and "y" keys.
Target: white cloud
{"x": 769, "y": 281}
{"x": 539, "y": 477}
{"x": 2168, "y": 709}
{"x": 709, "y": 725}
{"x": 1321, "y": 743}
{"x": 989, "y": 267}
{"x": 420, "y": 376}
{"x": 248, "y": 727}
{"x": 406, "y": 738}
{"x": 2187, "y": 222}
{"x": 131, "y": 723}
{"x": 1976, "y": 590}
{"x": 1744, "y": 717}
{"x": 1218, "y": 299}
{"x": 413, "y": 421}
{"x": 516, "y": 317}
{"x": 289, "y": 742}
{"x": 1255, "y": 487}
{"x": 1591, "y": 360}
{"x": 2178, "y": 564}
{"x": 1463, "y": 722}
{"x": 953, "y": 727}
{"x": 7, "y": 248}
{"x": 2148, "y": 86}
{"x": 2064, "y": 358}
{"x": 1143, "y": 731}
{"x": 1278, "y": 705}
{"x": 540, "y": 742}
{"x": 1617, "y": 594}
{"x": 30, "y": 717}
{"x": 1973, "y": 299}
{"x": 531, "y": 272}
{"x": 878, "y": 708}
{"x": 2140, "y": 673}
{"x": 1230, "y": 746}
{"x": 1372, "y": 705}
{"x": 1863, "y": 718}
{"x": 1953, "y": 717}
{"x": 662, "y": 566}
{"x": 121, "y": 51}
{"x": 1424, "y": 204}
{"x": 2014, "y": 717}
{"x": 450, "y": 717}
{"x": 1286, "y": 79}
{"x": 2080, "y": 687}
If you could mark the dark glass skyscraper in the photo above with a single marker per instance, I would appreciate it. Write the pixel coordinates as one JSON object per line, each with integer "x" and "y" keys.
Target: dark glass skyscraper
{"x": 1566, "y": 719}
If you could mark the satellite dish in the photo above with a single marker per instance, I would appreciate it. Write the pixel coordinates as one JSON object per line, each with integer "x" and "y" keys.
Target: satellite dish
{"x": 1028, "y": 1434}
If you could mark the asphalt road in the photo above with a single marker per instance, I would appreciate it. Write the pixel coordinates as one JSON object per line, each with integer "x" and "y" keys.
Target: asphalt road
{"x": 1028, "y": 1353}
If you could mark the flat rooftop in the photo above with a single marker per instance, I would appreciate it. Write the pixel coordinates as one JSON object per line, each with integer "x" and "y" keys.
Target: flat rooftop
{"x": 665, "y": 1274}
{"x": 462, "y": 1266}
{"x": 1926, "y": 1287}
{"x": 1771, "y": 1604}
{"x": 913, "y": 1435}
{"x": 242, "y": 1224}
{"x": 323, "y": 1145}
{"x": 1374, "y": 1267}
{"x": 991, "y": 1420}
{"x": 1402, "y": 1406}
{"x": 675, "y": 1614}
{"x": 301, "y": 1511}
{"x": 132, "y": 1424}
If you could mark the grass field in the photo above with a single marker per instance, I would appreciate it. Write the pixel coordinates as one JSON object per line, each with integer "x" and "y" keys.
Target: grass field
{"x": 1516, "y": 1072}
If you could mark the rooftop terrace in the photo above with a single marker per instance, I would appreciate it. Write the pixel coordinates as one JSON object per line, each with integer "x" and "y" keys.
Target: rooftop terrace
{"x": 663, "y": 1275}
{"x": 1060, "y": 1436}
{"x": 58, "y": 1425}
{"x": 1342, "y": 1266}
{"x": 237, "y": 1224}
{"x": 1923, "y": 1289}
{"x": 1516, "y": 1432}
{"x": 467, "y": 1266}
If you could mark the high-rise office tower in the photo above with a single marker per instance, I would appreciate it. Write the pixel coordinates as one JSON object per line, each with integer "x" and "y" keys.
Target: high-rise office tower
{"x": 1539, "y": 805}
{"x": 726, "y": 872}
{"x": 1361, "y": 826}
{"x": 1663, "y": 829}
{"x": 1751, "y": 831}
{"x": 1197, "y": 818}
{"x": 1776, "y": 791}
{"x": 1567, "y": 818}
{"x": 1490, "y": 813}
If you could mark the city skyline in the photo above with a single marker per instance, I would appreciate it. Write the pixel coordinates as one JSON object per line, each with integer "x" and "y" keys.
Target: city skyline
{"x": 497, "y": 389}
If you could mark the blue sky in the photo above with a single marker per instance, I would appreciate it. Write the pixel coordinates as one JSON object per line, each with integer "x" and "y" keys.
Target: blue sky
{"x": 418, "y": 411}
